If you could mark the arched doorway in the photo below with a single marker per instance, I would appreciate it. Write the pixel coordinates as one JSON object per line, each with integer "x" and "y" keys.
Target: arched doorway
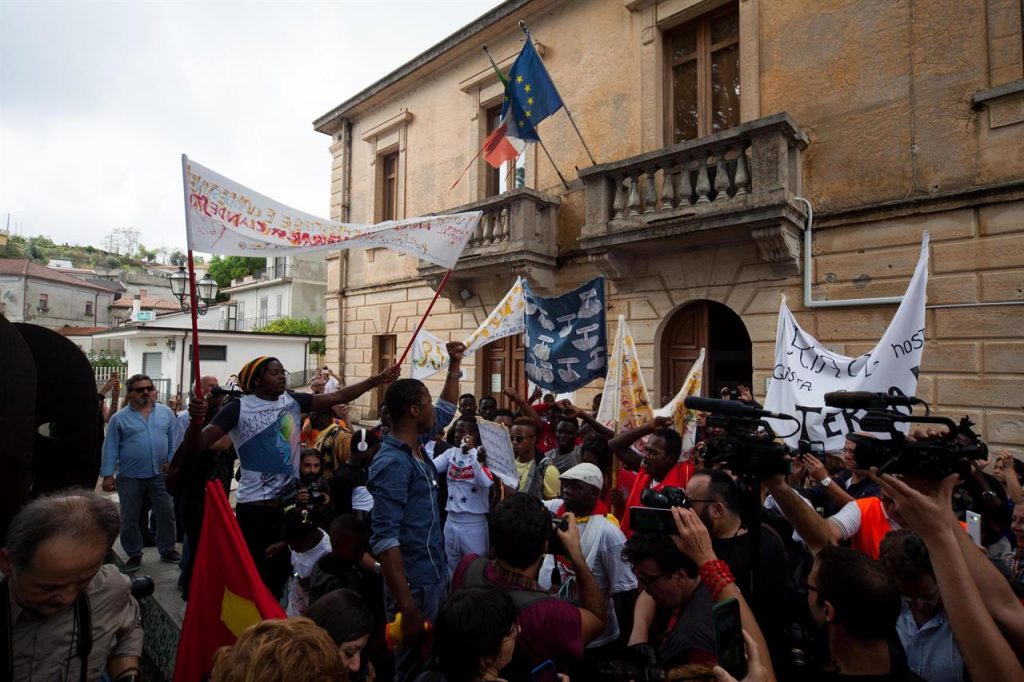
{"x": 711, "y": 325}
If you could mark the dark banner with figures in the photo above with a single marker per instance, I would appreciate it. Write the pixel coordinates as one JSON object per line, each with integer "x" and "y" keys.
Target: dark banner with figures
{"x": 566, "y": 337}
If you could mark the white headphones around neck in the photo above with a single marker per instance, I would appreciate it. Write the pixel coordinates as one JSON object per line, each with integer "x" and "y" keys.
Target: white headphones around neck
{"x": 362, "y": 446}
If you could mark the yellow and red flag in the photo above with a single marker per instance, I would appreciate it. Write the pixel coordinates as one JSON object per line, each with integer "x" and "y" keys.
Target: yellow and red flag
{"x": 226, "y": 595}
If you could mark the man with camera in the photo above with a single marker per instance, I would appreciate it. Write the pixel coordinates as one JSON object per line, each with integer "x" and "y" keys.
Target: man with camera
{"x": 549, "y": 628}
{"x": 66, "y": 615}
{"x": 601, "y": 542}
{"x": 659, "y": 467}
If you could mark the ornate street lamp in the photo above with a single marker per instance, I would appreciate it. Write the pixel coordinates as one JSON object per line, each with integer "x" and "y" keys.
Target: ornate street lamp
{"x": 206, "y": 290}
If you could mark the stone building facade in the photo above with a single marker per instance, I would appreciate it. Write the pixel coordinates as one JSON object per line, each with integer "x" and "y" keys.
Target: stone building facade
{"x": 710, "y": 121}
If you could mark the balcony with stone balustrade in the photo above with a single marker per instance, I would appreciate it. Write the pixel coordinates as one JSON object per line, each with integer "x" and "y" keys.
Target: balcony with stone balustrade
{"x": 735, "y": 185}
{"x": 515, "y": 236}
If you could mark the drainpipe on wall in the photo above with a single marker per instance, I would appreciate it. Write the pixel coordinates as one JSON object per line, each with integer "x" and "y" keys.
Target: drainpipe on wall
{"x": 809, "y": 301}
{"x": 181, "y": 362}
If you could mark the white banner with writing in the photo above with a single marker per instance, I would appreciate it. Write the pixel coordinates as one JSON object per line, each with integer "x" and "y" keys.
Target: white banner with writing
{"x": 501, "y": 459}
{"x": 805, "y": 370}
{"x": 226, "y": 218}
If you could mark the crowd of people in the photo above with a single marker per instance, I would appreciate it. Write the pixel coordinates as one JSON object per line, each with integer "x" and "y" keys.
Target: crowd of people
{"x": 399, "y": 554}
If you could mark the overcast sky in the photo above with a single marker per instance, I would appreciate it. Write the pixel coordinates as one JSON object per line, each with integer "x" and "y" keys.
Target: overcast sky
{"x": 98, "y": 100}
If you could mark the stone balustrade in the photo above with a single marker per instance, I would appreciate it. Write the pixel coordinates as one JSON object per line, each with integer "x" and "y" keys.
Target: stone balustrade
{"x": 516, "y": 235}
{"x": 744, "y": 175}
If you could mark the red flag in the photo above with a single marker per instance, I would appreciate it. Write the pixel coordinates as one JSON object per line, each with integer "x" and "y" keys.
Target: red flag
{"x": 226, "y": 595}
{"x": 499, "y": 148}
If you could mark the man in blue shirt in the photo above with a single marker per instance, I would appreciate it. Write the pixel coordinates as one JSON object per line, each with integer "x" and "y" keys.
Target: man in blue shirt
{"x": 406, "y": 533}
{"x": 138, "y": 447}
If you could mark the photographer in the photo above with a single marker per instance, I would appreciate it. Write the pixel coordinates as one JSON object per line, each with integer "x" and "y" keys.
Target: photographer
{"x": 549, "y": 628}
{"x": 66, "y": 614}
{"x": 658, "y": 467}
{"x": 311, "y": 491}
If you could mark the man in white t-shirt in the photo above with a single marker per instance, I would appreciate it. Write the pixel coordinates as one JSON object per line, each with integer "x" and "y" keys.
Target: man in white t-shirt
{"x": 264, "y": 427}
{"x": 601, "y": 542}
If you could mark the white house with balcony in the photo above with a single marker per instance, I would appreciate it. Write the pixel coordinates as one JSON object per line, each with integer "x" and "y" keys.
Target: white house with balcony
{"x": 292, "y": 286}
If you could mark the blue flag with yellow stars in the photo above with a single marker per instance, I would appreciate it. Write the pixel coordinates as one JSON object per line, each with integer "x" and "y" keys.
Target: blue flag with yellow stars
{"x": 566, "y": 344}
{"x": 530, "y": 92}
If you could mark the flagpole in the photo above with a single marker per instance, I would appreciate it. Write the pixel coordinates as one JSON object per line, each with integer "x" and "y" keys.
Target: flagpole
{"x": 522, "y": 25}
{"x": 542, "y": 146}
{"x": 423, "y": 319}
{"x": 193, "y": 302}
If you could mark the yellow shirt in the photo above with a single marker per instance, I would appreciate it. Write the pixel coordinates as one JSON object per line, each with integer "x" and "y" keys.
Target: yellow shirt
{"x": 552, "y": 486}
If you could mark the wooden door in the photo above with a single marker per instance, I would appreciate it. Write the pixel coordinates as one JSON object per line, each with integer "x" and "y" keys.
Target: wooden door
{"x": 685, "y": 335}
{"x": 387, "y": 356}
{"x": 503, "y": 364}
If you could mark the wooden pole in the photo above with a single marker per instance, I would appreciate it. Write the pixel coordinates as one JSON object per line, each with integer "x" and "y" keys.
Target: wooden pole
{"x": 423, "y": 319}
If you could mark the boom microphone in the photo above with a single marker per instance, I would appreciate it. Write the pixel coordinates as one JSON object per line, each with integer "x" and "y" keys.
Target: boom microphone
{"x": 730, "y": 408}
{"x": 863, "y": 400}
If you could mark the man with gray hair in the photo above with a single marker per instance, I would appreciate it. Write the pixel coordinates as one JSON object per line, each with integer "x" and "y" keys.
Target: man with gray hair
{"x": 65, "y": 615}
{"x": 138, "y": 445}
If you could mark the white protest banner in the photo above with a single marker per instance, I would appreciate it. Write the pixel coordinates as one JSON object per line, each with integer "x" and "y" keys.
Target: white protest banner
{"x": 507, "y": 319}
{"x": 226, "y": 218}
{"x": 805, "y": 370}
{"x": 685, "y": 420}
{"x": 624, "y": 401}
{"x": 429, "y": 355}
{"x": 501, "y": 460}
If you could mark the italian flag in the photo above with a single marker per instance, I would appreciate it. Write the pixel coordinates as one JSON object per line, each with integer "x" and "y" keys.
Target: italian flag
{"x": 504, "y": 143}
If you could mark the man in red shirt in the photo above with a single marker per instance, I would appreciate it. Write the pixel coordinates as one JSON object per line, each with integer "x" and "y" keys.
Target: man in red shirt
{"x": 658, "y": 467}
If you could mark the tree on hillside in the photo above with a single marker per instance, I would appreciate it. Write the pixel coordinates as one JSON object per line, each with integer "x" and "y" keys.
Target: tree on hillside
{"x": 223, "y": 270}
{"x": 293, "y": 325}
{"x": 178, "y": 257}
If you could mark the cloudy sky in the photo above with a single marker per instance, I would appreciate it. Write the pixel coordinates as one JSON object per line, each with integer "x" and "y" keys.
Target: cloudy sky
{"x": 98, "y": 100}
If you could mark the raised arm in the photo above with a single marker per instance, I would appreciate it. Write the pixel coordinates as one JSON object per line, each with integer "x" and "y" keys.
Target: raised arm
{"x": 456, "y": 351}
{"x": 574, "y": 412}
{"x": 987, "y": 654}
{"x": 819, "y": 473}
{"x": 816, "y": 531}
{"x": 621, "y": 444}
{"x": 694, "y": 541}
{"x": 527, "y": 409}
{"x": 347, "y": 394}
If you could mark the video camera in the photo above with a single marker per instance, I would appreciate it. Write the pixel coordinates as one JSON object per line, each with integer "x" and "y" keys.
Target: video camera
{"x": 555, "y": 545}
{"x": 748, "y": 448}
{"x": 655, "y": 514}
{"x": 933, "y": 459}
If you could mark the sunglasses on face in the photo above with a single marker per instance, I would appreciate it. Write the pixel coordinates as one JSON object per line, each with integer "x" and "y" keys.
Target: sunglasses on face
{"x": 520, "y": 439}
{"x": 143, "y": 389}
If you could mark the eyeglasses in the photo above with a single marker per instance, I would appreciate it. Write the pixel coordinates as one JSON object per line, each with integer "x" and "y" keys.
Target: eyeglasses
{"x": 647, "y": 580}
{"x": 924, "y": 603}
{"x": 143, "y": 389}
{"x": 520, "y": 439}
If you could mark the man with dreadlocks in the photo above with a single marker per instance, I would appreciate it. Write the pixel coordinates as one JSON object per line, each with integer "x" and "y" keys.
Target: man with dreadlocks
{"x": 264, "y": 428}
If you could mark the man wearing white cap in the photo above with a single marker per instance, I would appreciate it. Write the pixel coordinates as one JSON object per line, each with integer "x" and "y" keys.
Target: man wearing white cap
{"x": 601, "y": 542}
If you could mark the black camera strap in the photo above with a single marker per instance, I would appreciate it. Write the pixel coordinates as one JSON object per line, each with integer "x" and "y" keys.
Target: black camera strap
{"x": 82, "y": 628}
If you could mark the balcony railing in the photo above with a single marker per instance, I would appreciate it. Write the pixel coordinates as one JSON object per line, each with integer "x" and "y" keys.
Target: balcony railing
{"x": 741, "y": 179}
{"x": 246, "y": 324}
{"x": 516, "y": 234}
{"x": 278, "y": 271}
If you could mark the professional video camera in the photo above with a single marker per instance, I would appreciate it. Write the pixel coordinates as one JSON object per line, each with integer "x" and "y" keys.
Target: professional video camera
{"x": 655, "y": 514}
{"x": 748, "y": 447}
{"x": 642, "y": 668}
{"x": 950, "y": 453}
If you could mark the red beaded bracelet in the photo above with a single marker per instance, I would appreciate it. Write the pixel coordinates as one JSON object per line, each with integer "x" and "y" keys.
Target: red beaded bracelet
{"x": 715, "y": 575}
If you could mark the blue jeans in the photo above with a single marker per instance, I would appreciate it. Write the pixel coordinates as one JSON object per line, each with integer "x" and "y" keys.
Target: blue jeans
{"x": 130, "y": 491}
{"x": 428, "y": 598}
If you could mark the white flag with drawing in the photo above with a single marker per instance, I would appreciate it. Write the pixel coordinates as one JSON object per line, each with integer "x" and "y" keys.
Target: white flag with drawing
{"x": 805, "y": 370}
{"x": 507, "y": 319}
{"x": 429, "y": 355}
{"x": 624, "y": 402}
{"x": 683, "y": 419}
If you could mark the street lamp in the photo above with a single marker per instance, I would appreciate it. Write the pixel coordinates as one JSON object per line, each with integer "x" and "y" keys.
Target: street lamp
{"x": 206, "y": 289}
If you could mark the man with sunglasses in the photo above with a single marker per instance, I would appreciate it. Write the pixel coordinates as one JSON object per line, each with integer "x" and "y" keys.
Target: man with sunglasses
{"x": 138, "y": 448}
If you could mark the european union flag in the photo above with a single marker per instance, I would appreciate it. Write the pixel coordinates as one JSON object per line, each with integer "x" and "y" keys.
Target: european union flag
{"x": 530, "y": 93}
